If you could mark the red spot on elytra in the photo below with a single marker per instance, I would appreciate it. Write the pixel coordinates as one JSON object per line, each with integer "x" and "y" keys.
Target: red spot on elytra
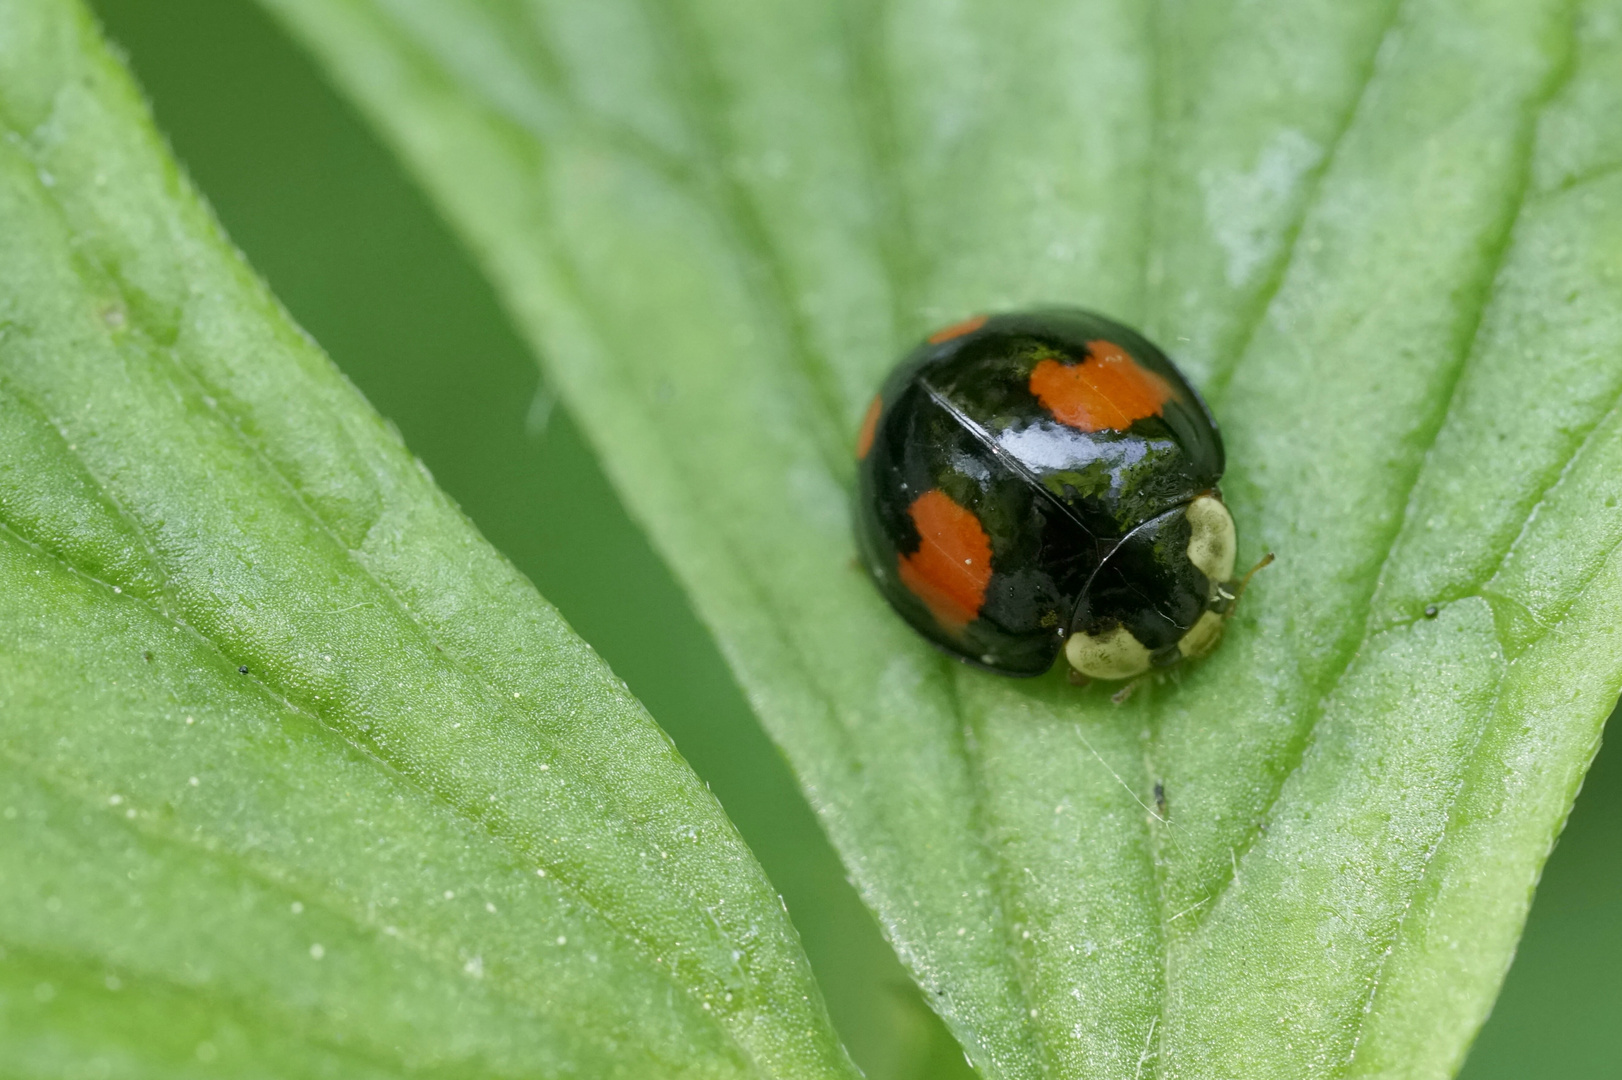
{"x": 1108, "y": 390}
{"x": 870, "y": 423}
{"x": 951, "y": 568}
{"x": 957, "y": 330}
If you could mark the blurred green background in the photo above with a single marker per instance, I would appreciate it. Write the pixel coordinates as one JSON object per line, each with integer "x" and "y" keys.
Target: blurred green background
{"x": 358, "y": 256}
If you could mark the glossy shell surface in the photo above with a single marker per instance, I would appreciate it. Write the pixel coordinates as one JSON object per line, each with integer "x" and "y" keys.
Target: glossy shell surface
{"x": 1023, "y": 477}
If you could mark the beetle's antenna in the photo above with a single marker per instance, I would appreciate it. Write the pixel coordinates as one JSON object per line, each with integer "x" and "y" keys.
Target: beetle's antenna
{"x": 1239, "y": 591}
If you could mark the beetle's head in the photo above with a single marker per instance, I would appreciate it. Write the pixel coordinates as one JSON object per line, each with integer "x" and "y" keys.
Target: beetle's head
{"x": 1161, "y": 596}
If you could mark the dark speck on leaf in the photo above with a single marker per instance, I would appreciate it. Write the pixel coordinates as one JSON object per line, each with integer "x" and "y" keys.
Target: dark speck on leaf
{"x": 243, "y": 670}
{"x": 148, "y": 656}
{"x": 1160, "y": 797}
{"x": 1431, "y": 611}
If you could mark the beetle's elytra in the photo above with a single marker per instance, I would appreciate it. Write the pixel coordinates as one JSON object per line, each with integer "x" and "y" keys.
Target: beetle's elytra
{"x": 1046, "y": 481}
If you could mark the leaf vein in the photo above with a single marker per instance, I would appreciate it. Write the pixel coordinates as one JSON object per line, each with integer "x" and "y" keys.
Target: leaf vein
{"x": 1227, "y": 362}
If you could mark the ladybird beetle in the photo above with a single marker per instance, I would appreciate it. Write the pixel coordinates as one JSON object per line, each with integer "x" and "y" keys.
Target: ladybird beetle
{"x": 1047, "y": 480}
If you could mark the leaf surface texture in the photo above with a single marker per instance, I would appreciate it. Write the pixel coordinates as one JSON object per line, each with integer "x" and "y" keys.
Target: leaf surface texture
{"x": 298, "y": 776}
{"x": 1381, "y": 235}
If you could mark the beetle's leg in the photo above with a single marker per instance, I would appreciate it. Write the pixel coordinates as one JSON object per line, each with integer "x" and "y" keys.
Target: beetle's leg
{"x": 1120, "y": 696}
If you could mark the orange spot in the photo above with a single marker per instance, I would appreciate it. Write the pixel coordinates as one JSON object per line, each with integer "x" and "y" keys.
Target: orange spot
{"x": 1108, "y": 390}
{"x": 957, "y": 330}
{"x": 951, "y": 568}
{"x": 870, "y": 423}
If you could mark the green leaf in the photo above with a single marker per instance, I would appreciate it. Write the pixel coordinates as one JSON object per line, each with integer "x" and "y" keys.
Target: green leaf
{"x": 1384, "y": 238}
{"x": 297, "y": 775}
